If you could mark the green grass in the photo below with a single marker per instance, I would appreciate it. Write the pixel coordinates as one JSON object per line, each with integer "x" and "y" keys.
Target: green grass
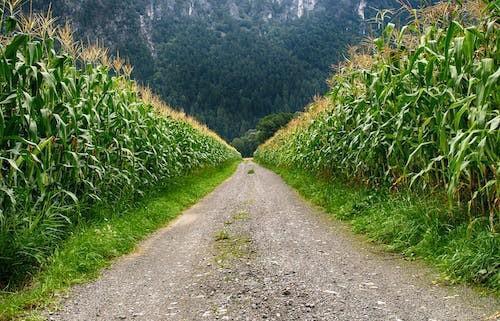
{"x": 231, "y": 247}
{"x": 93, "y": 246}
{"x": 221, "y": 235}
{"x": 413, "y": 225}
{"x": 241, "y": 216}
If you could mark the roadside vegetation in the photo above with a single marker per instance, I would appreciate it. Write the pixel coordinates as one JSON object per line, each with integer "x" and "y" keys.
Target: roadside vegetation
{"x": 265, "y": 129}
{"x": 78, "y": 135}
{"x": 113, "y": 232}
{"x": 408, "y": 140}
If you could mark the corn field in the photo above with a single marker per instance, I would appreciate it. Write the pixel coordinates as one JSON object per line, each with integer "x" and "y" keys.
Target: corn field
{"x": 416, "y": 108}
{"x": 76, "y": 132}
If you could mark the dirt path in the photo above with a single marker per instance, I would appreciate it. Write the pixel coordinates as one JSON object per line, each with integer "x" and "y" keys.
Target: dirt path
{"x": 253, "y": 250}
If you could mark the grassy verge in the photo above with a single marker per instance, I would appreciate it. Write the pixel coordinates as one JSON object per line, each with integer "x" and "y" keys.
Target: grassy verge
{"x": 93, "y": 246}
{"x": 414, "y": 225}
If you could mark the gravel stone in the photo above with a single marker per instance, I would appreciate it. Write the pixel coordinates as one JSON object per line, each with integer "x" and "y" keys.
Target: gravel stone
{"x": 283, "y": 259}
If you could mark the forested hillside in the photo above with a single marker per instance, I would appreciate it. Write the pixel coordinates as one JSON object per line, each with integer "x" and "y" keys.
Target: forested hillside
{"x": 228, "y": 63}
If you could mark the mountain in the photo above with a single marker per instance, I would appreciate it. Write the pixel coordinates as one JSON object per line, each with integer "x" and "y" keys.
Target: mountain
{"x": 226, "y": 62}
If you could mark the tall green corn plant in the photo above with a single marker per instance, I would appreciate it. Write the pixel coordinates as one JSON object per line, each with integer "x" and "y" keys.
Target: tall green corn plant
{"x": 423, "y": 114}
{"x": 73, "y": 135}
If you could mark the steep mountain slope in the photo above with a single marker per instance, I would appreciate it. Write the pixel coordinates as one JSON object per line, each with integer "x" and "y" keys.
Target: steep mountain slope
{"x": 226, "y": 62}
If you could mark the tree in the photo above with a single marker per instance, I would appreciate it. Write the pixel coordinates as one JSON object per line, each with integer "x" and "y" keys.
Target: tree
{"x": 266, "y": 127}
{"x": 270, "y": 124}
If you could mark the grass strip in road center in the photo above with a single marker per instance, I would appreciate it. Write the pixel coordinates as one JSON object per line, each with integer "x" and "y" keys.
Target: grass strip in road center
{"x": 94, "y": 246}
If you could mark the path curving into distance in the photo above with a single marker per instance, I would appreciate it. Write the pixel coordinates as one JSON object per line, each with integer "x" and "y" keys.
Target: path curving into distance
{"x": 254, "y": 250}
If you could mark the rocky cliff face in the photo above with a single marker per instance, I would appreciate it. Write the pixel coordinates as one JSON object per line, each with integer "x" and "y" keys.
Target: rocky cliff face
{"x": 108, "y": 19}
{"x": 262, "y": 9}
{"x": 253, "y": 11}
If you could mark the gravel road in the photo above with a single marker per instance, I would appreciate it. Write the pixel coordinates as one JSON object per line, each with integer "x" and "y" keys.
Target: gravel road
{"x": 254, "y": 250}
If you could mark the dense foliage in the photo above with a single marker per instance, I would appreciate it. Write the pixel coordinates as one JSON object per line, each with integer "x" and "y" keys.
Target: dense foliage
{"x": 232, "y": 76}
{"x": 419, "y": 109}
{"x": 266, "y": 127}
{"x": 75, "y": 133}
